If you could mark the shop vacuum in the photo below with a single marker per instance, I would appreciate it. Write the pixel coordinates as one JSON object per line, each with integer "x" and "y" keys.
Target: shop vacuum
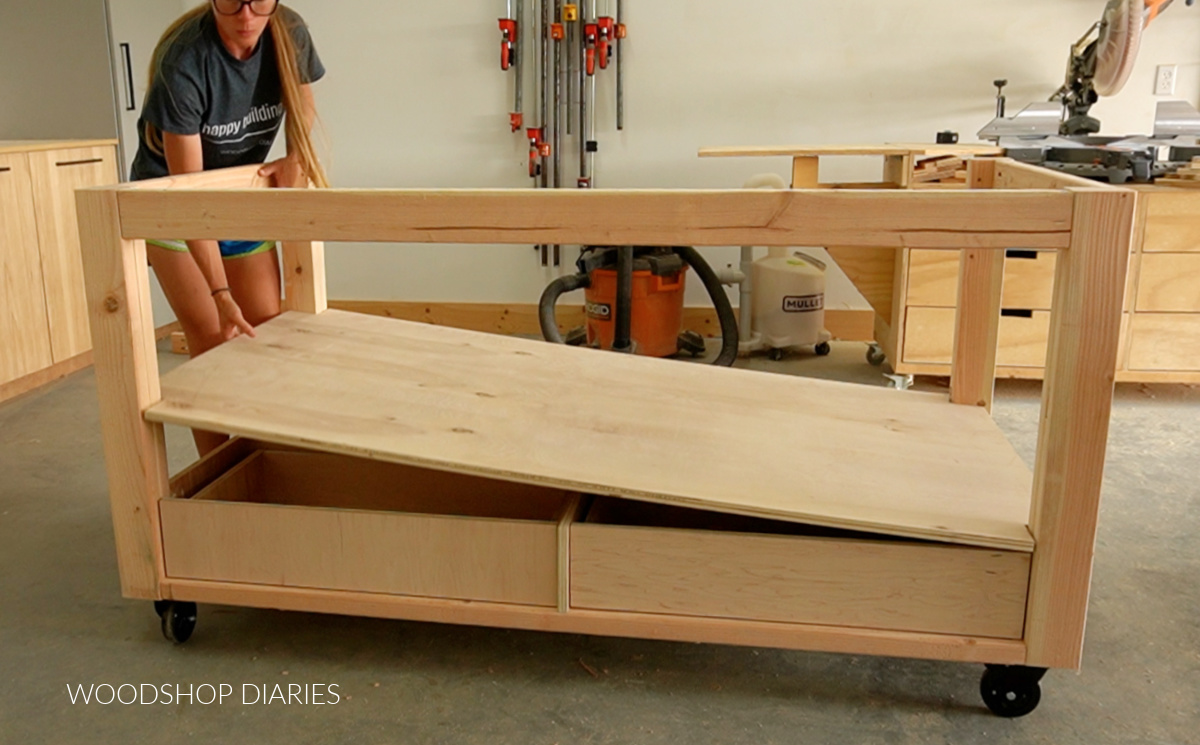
{"x": 634, "y": 302}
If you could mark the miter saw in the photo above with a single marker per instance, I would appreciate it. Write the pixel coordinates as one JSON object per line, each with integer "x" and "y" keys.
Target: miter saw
{"x": 1060, "y": 134}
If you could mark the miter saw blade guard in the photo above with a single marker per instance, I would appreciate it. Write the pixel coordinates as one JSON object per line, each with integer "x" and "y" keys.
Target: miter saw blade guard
{"x": 1117, "y": 47}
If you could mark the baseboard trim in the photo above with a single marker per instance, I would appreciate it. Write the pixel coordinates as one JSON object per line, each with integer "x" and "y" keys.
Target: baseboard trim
{"x": 507, "y": 318}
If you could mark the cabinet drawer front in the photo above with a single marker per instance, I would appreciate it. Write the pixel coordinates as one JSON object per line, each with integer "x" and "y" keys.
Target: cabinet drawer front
{"x": 1169, "y": 282}
{"x": 315, "y": 520}
{"x": 898, "y": 585}
{"x": 56, "y": 176}
{"x": 929, "y": 337}
{"x": 24, "y": 329}
{"x": 1165, "y": 341}
{"x": 1172, "y": 221}
{"x": 1028, "y": 279}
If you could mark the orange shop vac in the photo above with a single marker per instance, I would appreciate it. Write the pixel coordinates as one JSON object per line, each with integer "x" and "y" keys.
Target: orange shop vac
{"x": 634, "y": 302}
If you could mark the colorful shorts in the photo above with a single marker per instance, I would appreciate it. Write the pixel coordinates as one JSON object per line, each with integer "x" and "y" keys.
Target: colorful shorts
{"x": 229, "y": 249}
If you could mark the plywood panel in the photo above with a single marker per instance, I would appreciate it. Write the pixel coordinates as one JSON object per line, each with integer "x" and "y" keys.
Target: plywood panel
{"x": 866, "y": 584}
{"x": 872, "y": 271}
{"x": 929, "y": 338}
{"x": 607, "y": 623}
{"x": 1172, "y": 220}
{"x": 24, "y": 327}
{"x": 521, "y": 410}
{"x": 56, "y": 176}
{"x": 1028, "y": 279}
{"x": 314, "y": 520}
{"x": 1169, "y": 283}
{"x": 1165, "y": 341}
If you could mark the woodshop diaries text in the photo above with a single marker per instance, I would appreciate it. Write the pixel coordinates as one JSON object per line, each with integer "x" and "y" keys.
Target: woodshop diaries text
{"x": 205, "y": 694}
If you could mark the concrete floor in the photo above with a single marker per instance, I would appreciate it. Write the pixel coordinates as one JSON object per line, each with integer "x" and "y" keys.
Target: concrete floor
{"x": 63, "y": 623}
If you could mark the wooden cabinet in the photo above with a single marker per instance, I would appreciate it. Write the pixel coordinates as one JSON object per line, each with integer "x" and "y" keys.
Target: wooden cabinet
{"x": 24, "y": 328}
{"x": 43, "y": 320}
{"x": 1160, "y": 339}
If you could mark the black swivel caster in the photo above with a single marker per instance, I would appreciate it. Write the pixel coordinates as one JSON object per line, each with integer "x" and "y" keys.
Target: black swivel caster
{"x": 691, "y": 343}
{"x": 1011, "y": 690}
{"x": 178, "y": 619}
{"x": 776, "y": 355}
{"x": 823, "y": 348}
{"x": 875, "y": 355}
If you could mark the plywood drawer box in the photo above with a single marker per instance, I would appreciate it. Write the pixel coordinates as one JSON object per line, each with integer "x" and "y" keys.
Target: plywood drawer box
{"x": 1169, "y": 282}
{"x": 1172, "y": 220}
{"x": 1164, "y": 341}
{"x": 645, "y": 558}
{"x": 933, "y": 278}
{"x": 929, "y": 337}
{"x": 317, "y": 520}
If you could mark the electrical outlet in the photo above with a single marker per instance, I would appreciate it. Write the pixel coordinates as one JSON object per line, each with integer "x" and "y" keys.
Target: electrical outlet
{"x": 1164, "y": 81}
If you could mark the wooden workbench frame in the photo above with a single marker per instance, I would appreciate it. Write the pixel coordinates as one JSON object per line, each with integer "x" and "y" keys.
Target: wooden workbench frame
{"x": 1089, "y": 227}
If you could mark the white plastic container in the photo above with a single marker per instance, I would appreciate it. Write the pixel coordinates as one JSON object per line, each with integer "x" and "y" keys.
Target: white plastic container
{"x": 789, "y": 300}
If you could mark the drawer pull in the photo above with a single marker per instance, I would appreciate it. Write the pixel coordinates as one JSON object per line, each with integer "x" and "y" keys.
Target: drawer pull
{"x": 5, "y": 169}
{"x": 1016, "y": 313}
{"x": 1017, "y": 253}
{"x": 79, "y": 162}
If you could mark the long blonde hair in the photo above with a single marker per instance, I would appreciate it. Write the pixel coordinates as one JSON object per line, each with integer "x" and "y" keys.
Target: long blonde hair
{"x": 299, "y": 139}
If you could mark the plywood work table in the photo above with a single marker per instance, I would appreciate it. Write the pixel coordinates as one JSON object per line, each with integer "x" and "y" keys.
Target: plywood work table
{"x": 400, "y": 470}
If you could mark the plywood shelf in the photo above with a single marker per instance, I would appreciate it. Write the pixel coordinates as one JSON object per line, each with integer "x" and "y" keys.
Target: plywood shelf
{"x": 822, "y": 452}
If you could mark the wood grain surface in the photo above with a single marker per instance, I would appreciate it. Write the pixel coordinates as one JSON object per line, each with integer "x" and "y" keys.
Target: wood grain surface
{"x": 821, "y": 452}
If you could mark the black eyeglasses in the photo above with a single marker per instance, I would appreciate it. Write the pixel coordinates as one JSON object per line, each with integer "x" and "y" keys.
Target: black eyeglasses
{"x": 257, "y": 7}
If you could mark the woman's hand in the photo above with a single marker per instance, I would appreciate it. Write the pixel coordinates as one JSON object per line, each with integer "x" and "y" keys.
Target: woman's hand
{"x": 285, "y": 172}
{"x": 232, "y": 320}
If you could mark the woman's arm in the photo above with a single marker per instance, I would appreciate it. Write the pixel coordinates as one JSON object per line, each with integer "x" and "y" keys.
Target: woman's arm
{"x": 286, "y": 171}
{"x": 185, "y": 155}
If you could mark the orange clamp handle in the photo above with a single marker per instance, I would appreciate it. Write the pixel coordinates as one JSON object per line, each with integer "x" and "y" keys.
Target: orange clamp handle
{"x": 558, "y": 32}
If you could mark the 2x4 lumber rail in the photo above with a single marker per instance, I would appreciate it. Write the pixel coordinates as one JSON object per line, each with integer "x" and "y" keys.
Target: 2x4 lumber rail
{"x": 608, "y": 623}
{"x": 238, "y": 177}
{"x": 117, "y": 283}
{"x": 1012, "y": 174}
{"x": 977, "y": 324}
{"x": 1077, "y": 396}
{"x": 894, "y": 219}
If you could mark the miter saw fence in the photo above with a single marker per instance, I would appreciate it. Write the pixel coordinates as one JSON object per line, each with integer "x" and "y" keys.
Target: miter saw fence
{"x": 1061, "y": 134}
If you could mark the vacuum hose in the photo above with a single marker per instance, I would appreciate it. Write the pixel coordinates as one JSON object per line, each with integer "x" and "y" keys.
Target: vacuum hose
{"x": 550, "y": 298}
{"x": 716, "y": 291}
{"x": 622, "y": 332}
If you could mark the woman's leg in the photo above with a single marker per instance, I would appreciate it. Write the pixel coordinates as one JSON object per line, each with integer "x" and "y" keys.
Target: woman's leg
{"x": 187, "y": 292}
{"x": 254, "y": 282}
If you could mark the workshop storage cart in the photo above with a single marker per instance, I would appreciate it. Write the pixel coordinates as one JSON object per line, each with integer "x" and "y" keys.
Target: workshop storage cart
{"x": 393, "y": 469}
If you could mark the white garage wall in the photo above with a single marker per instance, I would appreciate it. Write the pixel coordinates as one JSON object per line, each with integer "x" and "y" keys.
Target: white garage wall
{"x": 414, "y": 98}
{"x": 54, "y": 83}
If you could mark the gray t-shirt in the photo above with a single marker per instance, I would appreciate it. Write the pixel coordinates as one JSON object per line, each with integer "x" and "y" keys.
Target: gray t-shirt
{"x": 234, "y": 105}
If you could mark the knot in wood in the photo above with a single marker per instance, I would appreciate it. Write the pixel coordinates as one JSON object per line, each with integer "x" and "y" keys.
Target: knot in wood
{"x": 111, "y": 304}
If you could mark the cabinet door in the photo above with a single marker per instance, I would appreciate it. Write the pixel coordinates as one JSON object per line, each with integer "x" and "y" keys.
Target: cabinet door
{"x": 24, "y": 329}
{"x": 56, "y": 176}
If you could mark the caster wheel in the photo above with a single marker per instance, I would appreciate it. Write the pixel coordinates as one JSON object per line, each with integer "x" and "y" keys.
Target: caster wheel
{"x": 1011, "y": 691}
{"x": 823, "y": 348}
{"x": 776, "y": 354}
{"x": 875, "y": 355}
{"x": 178, "y": 619}
{"x": 576, "y": 337}
{"x": 691, "y": 343}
